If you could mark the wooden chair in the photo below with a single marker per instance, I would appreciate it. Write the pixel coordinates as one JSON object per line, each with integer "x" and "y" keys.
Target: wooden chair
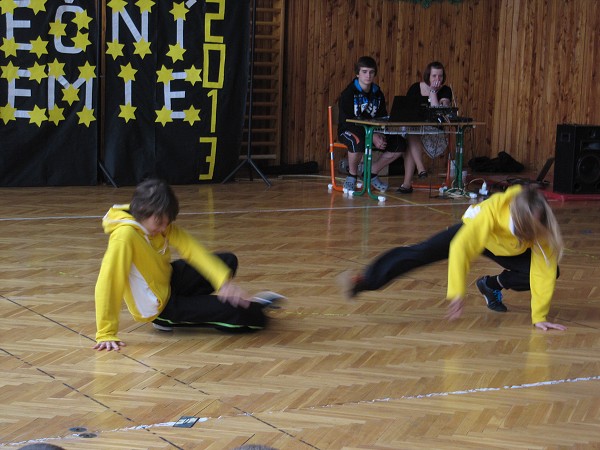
{"x": 333, "y": 145}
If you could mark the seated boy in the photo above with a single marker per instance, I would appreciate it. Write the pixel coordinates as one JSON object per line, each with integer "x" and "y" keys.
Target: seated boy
{"x": 137, "y": 268}
{"x": 364, "y": 99}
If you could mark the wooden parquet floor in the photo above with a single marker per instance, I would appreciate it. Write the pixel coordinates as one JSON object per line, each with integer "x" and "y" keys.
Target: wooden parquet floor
{"x": 384, "y": 371}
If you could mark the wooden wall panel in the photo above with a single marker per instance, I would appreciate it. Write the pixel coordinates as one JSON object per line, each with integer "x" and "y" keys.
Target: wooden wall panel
{"x": 520, "y": 67}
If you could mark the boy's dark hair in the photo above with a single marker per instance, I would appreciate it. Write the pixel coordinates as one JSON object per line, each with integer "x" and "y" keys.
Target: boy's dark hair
{"x": 365, "y": 61}
{"x": 434, "y": 65}
{"x": 154, "y": 197}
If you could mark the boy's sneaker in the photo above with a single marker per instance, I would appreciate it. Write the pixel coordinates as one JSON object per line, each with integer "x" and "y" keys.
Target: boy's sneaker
{"x": 493, "y": 297}
{"x": 161, "y": 327}
{"x": 269, "y": 299}
{"x": 350, "y": 183}
{"x": 378, "y": 184}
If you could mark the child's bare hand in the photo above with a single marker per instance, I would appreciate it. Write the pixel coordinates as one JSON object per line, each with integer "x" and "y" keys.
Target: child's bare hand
{"x": 548, "y": 325}
{"x": 109, "y": 345}
{"x": 455, "y": 309}
{"x": 234, "y": 295}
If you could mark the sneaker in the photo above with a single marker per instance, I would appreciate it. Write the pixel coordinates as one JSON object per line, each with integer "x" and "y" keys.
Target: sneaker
{"x": 269, "y": 299}
{"x": 378, "y": 184}
{"x": 493, "y": 297}
{"x": 350, "y": 183}
{"x": 161, "y": 327}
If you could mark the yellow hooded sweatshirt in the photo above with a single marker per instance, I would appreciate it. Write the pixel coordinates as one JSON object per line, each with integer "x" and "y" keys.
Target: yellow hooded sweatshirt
{"x": 488, "y": 225}
{"x": 137, "y": 268}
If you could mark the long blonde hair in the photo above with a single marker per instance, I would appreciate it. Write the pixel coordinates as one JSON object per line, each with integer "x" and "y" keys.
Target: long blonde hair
{"x": 534, "y": 220}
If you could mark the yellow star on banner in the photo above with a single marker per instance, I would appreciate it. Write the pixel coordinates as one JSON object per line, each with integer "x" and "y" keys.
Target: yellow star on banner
{"x": 37, "y": 5}
{"x": 9, "y": 47}
{"x": 192, "y": 115}
{"x": 179, "y": 11}
{"x": 117, "y": 5}
{"x": 145, "y": 5}
{"x": 114, "y": 49}
{"x": 38, "y": 46}
{"x": 56, "y": 115}
{"x": 37, "y": 72}
{"x": 164, "y": 75}
{"x": 7, "y": 113}
{"x": 142, "y": 48}
{"x": 58, "y": 29}
{"x": 193, "y": 75}
{"x": 10, "y": 72}
{"x": 8, "y": 6}
{"x": 127, "y": 73}
{"x": 127, "y": 112}
{"x": 81, "y": 41}
{"x": 37, "y": 116}
{"x": 56, "y": 69}
{"x": 176, "y": 52}
{"x": 86, "y": 116}
{"x": 82, "y": 20}
{"x": 70, "y": 94}
{"x": 87, "y": 71}
{"x": 163, "y": 116}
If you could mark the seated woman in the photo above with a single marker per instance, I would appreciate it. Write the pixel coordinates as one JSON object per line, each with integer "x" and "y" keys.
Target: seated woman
{"x": 433, "y": 91}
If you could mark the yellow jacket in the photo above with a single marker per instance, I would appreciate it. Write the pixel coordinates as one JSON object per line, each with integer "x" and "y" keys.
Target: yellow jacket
{"x": 136, "y": 268}
{"x": 488, "y": 225}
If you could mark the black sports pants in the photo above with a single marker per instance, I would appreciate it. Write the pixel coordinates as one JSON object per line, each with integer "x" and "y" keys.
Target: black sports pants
{"x": 193, "y": 302}
{"x": 401, "y": 260}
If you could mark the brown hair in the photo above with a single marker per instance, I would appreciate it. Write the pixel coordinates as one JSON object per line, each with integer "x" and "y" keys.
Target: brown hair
{"x": 365, "y": 61}
{"x": 434, "y": 65}
{"x": 154, "y": 197}
{"x": 533, "y": 220}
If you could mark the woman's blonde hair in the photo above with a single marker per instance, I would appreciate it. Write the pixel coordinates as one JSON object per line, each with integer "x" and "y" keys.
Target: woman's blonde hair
{"x": 534, "y": 220}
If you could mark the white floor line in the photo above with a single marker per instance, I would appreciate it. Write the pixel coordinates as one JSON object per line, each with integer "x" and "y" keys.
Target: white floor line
{"x": 378, "y": 400}
{"x": 253, "y": 211}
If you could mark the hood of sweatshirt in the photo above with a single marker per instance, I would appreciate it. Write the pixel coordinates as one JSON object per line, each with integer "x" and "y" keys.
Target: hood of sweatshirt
{"x": 119, "y": 216}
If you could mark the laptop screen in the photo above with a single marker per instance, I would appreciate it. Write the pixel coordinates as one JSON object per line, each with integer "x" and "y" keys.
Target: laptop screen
{"x": 408, "y": 109}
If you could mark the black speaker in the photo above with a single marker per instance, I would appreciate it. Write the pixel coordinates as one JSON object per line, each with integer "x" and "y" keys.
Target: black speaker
{"x": 577, "y": 159}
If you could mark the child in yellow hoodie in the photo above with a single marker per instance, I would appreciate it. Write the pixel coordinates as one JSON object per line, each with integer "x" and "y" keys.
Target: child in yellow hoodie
{"x": 137, "y": 268}
{"x": 516, "y": 228}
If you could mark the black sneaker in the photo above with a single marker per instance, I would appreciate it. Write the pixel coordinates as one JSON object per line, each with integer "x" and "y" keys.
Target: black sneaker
{"x": 493, "y": 297}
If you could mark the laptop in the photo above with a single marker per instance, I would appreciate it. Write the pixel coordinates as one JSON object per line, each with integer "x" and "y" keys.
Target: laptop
{"x": 407, "y": 109}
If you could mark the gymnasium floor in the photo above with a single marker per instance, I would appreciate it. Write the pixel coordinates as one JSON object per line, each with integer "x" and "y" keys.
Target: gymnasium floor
{"x": 384, "y": 371}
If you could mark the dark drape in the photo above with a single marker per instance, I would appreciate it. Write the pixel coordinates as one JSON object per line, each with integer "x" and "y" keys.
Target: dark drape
{"x": 177, "y": 112}
{"x": 174, "y": 81}
{"x": 48, "y": 94}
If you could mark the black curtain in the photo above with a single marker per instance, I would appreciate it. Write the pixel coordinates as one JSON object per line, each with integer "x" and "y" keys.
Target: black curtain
{"x": 175, "y": 78}
{"x": 48, "y": 94}
{"x": 188, "y": 93}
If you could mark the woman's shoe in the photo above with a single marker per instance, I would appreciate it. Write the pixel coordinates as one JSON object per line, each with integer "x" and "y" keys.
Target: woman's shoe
{"x": 404, "y": 190}
{"x": 423, "y": 174}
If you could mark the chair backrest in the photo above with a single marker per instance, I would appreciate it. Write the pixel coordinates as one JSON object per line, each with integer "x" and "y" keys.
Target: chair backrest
{"x": 332, "y": 118}
{"x": 330, "y": 114}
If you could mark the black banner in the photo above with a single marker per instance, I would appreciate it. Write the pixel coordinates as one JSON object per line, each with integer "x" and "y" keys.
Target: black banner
{"x": 172, "y": 98}
{"x": 48, "y": 93}
{"x": 176, "y": 81}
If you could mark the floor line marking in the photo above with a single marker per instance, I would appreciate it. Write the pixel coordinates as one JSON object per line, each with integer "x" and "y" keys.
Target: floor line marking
{"x": 241, "y": 211}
